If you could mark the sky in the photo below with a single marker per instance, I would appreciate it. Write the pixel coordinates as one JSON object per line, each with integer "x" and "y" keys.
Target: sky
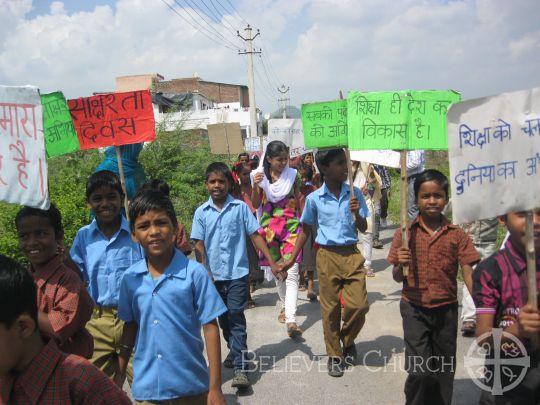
{"x": 313, "y": 47}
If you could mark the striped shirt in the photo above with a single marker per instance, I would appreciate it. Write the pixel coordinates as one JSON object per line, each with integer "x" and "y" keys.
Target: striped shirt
{"x": 54, "y": 378}
{"x": 432, "y": 278}
{"x": 500, "y": 285}
{"x": 62, "y": 295}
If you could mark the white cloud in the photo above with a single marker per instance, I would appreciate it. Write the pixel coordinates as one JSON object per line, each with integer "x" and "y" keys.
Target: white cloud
{"x": 317, "y": 47}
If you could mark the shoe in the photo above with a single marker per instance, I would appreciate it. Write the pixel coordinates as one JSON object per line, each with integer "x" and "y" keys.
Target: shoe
{"x": 350, "y": 355}
{"x": 335, "y": 367}
{"x": 228, "y": 362}
{"x": 369, "y": 272}
{"x": 468, "y": 328}
{"x": 384, "y": 224}
{"x": 240, "y": 380}
{"x": 377, "y": 244}
{"x": 312, "y": 295}
{"x": 293, "y": 330}
{"x": 281, "y": 316}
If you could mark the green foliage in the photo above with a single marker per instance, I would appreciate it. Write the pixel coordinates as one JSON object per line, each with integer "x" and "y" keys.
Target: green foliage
{"x": 180, "y": 158}
{"x": 67, "y": 182}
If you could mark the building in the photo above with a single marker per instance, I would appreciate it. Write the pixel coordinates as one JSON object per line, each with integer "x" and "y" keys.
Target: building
{"x": 198, "y": 104}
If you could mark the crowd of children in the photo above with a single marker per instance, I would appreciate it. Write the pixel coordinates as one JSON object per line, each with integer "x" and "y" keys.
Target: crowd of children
{"x": 126, "y": 293}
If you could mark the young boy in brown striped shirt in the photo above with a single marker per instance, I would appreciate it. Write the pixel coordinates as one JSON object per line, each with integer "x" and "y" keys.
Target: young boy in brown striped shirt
{"x": 429, "y": 298}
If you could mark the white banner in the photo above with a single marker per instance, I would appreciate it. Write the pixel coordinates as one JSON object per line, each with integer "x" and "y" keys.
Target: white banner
{"x": 23, "y": 166}
{"x": 289, "y": 131}
{"x": 379, "y": 157}
{"x": 494, "y": 150}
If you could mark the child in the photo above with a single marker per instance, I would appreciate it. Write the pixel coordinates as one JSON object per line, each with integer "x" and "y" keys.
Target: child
{"x": 307, "y": 161}
{"x": 382, "y": 214}
{"x": 220, "y": 227}
{"x": 429, "y": 297}
{"x": 103, "y": 251}
{"x": 367, "y": 180}
{"x": 338, "y": 217}
{"x": 64, "y": 306}
{"x": 276, "y": 195}
{"x": 307, "y": 266}
{"x": 164, "y": 301}
{"x": 181, "y": 241}
{"x": 500, "y": 295}
{"x": 242, "y": 191}
{"x": 32, "y": 370}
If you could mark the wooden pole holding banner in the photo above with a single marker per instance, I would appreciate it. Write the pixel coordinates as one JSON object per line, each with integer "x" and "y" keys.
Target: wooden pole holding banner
{"x": 403, "y": 204}
{"x": 349, "y": 163}
{"x": 531, "y": 268}
{"x": 122, "y": 178}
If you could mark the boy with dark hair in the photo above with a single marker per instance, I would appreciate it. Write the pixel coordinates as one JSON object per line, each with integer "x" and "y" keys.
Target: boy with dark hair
{"x": 338, "y": 217}
{"x": 33, "y": 371}
{"x": 103, "y": 250}
{"x": 429, "y": 298}
{"x": 220, "y": 227}
{"x": 500, "y": 294}
{"x": 64, "y": 306}
{"x": 164, "y": 301}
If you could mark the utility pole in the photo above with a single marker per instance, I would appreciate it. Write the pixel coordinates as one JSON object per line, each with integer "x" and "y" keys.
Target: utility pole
{"x": 251, "y": 80}
{"x": 284, "y": 100}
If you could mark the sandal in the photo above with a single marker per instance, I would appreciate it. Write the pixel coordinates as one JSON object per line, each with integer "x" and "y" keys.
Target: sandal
{"x": 281, "y": 316}
{"x": 312, "y": 295}
{"x": 377, "y": 244}
{"x": 293, "y": 330}
{"x": 370, "y": 273}
{"x": 302, "y": 288}
{"x": 251, "y": 304}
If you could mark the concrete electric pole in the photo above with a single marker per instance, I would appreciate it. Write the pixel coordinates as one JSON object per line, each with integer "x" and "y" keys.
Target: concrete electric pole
{"x": 251, "y": 80}
{"x": 283, "y": 100}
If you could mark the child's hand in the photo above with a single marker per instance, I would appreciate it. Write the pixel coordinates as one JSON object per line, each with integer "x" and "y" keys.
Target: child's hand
{"x": 278, "y": 271}
{"x": 354, "y": 205}
{"x": 404, "y": 256}
{"x": 215, "y": 397}
{"x": 119, "y": 378}
{"x": 528, "y": 321}
{"x": 258, "y": 177}
{"x": 365, "y": 189}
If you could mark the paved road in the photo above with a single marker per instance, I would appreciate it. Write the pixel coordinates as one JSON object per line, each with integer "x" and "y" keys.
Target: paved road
{"x": 294, "y": 372}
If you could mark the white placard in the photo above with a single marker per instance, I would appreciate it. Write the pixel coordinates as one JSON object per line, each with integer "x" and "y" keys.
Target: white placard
{"x": 253, "y": 144}
{"x": 23, "y": 166}
{"x": 388, "y": 158}
{"x": 494, "y": 151}
{"x": 289, "y": 131}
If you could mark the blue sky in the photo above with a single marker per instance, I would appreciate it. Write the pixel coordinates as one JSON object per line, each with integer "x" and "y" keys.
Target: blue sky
{"x": 316, "y": 47}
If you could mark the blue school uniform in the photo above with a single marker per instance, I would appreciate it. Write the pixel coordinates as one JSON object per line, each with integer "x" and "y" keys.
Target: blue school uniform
{"x": 168, "y": 362}
{"x": 224, "y": 234}
{"x": 332, "y": 216}
{"x": 103, "y": 261}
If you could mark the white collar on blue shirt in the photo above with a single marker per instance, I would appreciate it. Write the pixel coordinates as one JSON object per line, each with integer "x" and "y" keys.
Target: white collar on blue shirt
{"x": 176, "y": 268}
{"x": 229, "y": 200}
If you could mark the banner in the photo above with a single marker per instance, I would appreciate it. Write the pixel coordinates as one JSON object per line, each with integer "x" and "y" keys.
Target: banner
{"x": 288, "y": 131}
{"x": 387, "y": 158}
{"x": 23, "y": 165}
{"x": 325, "y": 124}
{"x": 494, "y": 151}
{"x": 399, "y": 120}
{"x": 60, "y": 135}
{"x": 113, "y": 119}
{"x": 253, "y": 144}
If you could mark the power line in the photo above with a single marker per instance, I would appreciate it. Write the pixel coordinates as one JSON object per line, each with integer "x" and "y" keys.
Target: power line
{"x": 220, "y": 17}
{"x": 275, "y": 84}
{"x": 197, "y": 29}
{"x": 265, "y": 46}
{"x": 234, "y": 11}
{"x": 194, "y": 8}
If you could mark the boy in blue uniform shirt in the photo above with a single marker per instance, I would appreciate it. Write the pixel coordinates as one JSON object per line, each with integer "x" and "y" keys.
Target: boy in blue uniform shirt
{"x": 103, "y": 250}
{"x": 220, "y": 227}
{"x": 338, "y": 217}
{"x": 164, "y": 300}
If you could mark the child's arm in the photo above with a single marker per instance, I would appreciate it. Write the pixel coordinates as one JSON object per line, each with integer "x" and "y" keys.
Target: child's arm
{"x": 528, "y": 324}
{"x": 259, "y": 243}
{"x": 298, "y": 246}
{"x": 360, "y": 221}
{"x": 200, "y": 255}
{"x": 467, "y": 276}
{"x": 213, "y": 352}
{"x": 256, "y": 193}
{"x": 127, "y": 341}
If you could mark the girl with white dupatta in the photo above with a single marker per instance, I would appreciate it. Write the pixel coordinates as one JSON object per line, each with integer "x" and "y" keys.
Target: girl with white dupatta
{"x": 276, "y": 197}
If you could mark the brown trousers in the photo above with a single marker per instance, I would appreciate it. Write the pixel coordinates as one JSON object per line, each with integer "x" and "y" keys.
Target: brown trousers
{"x": 341, "y": 273}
